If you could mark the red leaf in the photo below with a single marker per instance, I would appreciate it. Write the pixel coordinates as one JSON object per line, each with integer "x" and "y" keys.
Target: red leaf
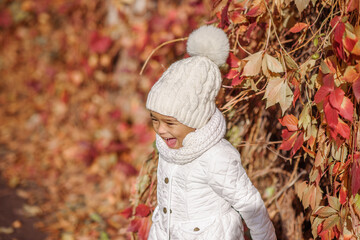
{"x": 134, "y": 225}
{"x": 331, "y": 115}
{"x": 355, "y": 174}
{"x": 347, "y": 109}
{"x": 286, "y": 134}
{"x": 339, "y": 32}
{"x": 343, "y": 129}
{"x": 250, "y": 29}
{"x": 349, "y": 43}
{"x": 237, "y": 80}
{"x": 356, "y": 89}
{"x": 296, "y": 92}
{"x": 334, "y": 21}
{"x": 288, "y": 143}
{"x": 343, "y": 195}
{"x": 298, "y": 143}
{"x": 126, "y": 213}
{"x": 289, "y": 121}
{"x": 232, "y": 73}
{"x": 336, "y": 168}
{"x": 142, "y": 210}
{"x": 224, "y": 16}
{"x": 336, "y": 98}
{"x": 98, "y": 43}
{"x": 233, "y": 61}
{"x": 144, "y": 229}
{"x": 298, "y": 27}
{"x": 328, "y": 86}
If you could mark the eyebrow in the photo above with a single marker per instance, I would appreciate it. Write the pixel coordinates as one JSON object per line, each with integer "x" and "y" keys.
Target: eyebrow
{"x": 165, "y": 119}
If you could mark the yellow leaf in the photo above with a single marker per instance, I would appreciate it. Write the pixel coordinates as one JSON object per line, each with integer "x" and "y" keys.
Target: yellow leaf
{"x": 253, "y": 66}
{"x": 273, "y": 64}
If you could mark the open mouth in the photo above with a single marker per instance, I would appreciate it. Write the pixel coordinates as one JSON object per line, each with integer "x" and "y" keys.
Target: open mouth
{"x": 171, "y": 142}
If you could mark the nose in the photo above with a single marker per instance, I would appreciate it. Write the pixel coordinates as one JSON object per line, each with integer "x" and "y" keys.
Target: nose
{"x": 161, "y": 129}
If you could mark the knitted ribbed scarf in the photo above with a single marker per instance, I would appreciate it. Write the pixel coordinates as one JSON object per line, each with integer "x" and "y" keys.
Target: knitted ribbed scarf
{"x": 195, "y": 143}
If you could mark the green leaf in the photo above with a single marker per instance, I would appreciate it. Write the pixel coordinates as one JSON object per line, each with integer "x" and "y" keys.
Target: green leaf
{"x": 104, "y": 236}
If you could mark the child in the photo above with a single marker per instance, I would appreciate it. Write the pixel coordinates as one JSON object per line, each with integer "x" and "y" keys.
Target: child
{"x": 202, "y": 188}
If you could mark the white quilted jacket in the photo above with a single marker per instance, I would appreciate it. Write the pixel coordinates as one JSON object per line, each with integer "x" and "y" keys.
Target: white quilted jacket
{"x": 203, "y": 190}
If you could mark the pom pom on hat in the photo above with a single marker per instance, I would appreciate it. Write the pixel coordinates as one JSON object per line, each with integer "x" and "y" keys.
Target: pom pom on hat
{"x": 209, "y": 41}
{"x": 188, "y": 88}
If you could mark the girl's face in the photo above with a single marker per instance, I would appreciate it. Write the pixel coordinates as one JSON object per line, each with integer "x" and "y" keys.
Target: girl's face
{"x": 169, "y": 129}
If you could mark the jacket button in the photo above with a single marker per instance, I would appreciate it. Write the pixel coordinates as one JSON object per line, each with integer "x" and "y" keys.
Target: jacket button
{"x": 166, "y": 180}
{"x": 170, "y": 211}
{"x": 196, "y": 229}
{"x": 164, "y": 210}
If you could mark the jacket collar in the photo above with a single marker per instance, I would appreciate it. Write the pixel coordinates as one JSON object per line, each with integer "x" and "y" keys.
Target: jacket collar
{"x": 195, "y": 143}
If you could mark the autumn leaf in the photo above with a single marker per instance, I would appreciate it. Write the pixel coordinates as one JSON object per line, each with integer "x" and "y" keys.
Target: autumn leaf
{"x": 336, "y": 98}
{"x": 233, "y": 61}
{"x": 272, "y": 64}
{"x": 290, "y": 122}
{"x": 238, "y": 18}
{"x": 355, "y": 173}
{"x": 298, "y": 143}
{"x": 324, "y": 211}
{"x": 356, "y": 89}
{"x": 331, "y": 115}
{"x": 253, "y": 66}
{"x": 350, "y": 74}
{"x": 142, "y": 210}
{"x": 258, "y": 8}
{"x": 278, "y": 91}
{"x": 298, "y": 27}
{"x": 126, "y": 213}
{"x": 325, "y": 89}
{"x": 301, "y": 4}
{"x": 289, "y": 139}
{"x": 346, "y": 109}
{"x": 343, "y": 129}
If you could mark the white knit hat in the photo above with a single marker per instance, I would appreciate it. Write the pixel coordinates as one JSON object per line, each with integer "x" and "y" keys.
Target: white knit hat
{"x": 188, "y": 88}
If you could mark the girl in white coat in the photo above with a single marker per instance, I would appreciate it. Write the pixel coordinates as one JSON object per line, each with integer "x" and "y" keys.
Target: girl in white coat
{"x": 202, "y": 189}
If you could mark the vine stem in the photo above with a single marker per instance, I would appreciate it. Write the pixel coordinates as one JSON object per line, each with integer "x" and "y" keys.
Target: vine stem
{"x": 277, "y": 37}
{"x": 157, "y": 48}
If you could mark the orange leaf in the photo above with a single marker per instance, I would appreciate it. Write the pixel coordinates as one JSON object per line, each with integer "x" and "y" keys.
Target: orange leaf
{"x": 350, "y": 74}
{"x": 298, "y": 27}
{"x": 289, "y": 121}
{"x": 238, "y": 18}
{"x": 343, "y": 195}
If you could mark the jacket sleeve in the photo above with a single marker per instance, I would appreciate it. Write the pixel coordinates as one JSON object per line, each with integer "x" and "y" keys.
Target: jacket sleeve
{"x": 227, "y": 177}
